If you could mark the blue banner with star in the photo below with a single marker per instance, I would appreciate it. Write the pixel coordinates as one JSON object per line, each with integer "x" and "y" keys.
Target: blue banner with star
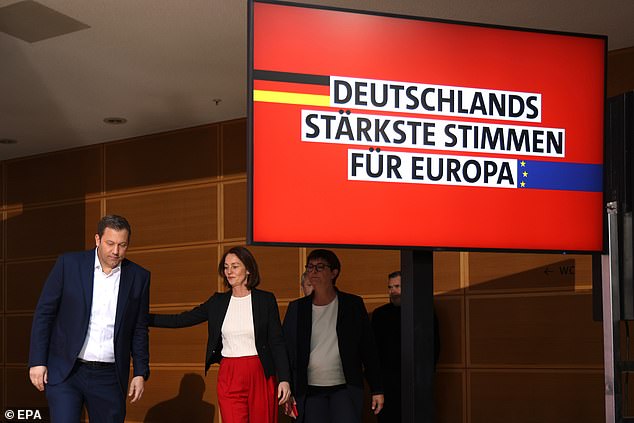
{"x": 560, "y": 176}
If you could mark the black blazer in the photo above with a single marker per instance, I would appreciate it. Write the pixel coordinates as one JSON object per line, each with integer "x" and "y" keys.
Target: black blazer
{"x": 62, "y": 314}
{"x": 266, "y": 320}
{"x": 357, "y": 348}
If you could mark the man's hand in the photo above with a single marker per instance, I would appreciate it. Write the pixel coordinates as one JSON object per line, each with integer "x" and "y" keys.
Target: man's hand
{"x": 283, "y": 392}
{"x": 137, "y": 385}
{"x": 39, "y": 376}
{"x": 377, "y": 403}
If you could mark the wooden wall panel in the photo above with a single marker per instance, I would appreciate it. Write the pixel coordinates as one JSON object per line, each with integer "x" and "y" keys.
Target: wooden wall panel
{"x": 627, "y": 350}
{"x": 24, "y": 283}
{"x": 235, "y": 210}
{"x": 2, "y": 286}
{"x": 620, "y": 68}
{"x": 50, "y": 231}
{"x": 450, "y": 314}
{"x": 17, "y": 332}
{"x": 283, "y": 308}
{"x": 447, "y": 273}
{"x": 184, "y": 275}
{"x": 182, "y": 345}
{"x": 372, "y": 304}
{"x": 365, "y": 271}
{"x": 187, "y": 215}
{"x": 234, "y": 147}
{"x": 19, "y": 391}
{"x": 627, "y": 383}
{"x": 501, "y": 311}
{"x": 3, "y": 166}
{"x": 540, "y": 396}
{"x": 449, "y": 397}
{"x": 93, "y": 215}
{"x": 65, "y": 175}
{"x": 3, "y": 218}
{"x": 539, "y": 330}
{"x": 496, "y": 272}
{"x": 2, "y": 344}
{"x": 177, "y": 395}
{"x": 174, "y": 157}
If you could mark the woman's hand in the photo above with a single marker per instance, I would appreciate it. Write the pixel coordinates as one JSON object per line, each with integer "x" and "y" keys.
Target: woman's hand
{"x": 283, "y": 392}
{"x": 377, "y": 403}
{"x": 290, "y": 408}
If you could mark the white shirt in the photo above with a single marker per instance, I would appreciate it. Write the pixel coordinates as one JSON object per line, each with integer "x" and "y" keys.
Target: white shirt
{"x": 238, "y": 334}
{"x": 324, "y": 364}
{"x": 99, "y": 342}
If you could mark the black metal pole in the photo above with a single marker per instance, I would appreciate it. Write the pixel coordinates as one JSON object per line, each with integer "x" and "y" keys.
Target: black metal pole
{"x": 417, "y": 336}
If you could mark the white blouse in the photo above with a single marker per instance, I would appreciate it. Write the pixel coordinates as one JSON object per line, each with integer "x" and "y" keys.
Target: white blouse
{"x": 238, "y": 334}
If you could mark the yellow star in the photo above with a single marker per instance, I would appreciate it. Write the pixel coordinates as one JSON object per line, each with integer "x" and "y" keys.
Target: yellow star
{"x": 523, "y": 163}
{"x": 525, "y": 173}
{"x": 522, "y": 184}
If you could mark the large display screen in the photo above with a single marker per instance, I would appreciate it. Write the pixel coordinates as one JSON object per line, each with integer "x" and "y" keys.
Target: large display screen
{"x": 378, "y": 130}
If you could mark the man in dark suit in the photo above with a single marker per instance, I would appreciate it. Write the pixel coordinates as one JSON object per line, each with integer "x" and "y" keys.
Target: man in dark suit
{"x": 331, "y": 346}
{"x": 91, "y": 317}
{"x": 386, "y": 323}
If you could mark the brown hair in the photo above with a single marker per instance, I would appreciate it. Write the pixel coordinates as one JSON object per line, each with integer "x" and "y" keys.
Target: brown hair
{"x": 112, "y": 221}
{"x": 245, "y": 256}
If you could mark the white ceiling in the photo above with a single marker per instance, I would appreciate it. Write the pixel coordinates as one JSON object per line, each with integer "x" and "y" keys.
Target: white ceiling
{"x": 161, "y": 63}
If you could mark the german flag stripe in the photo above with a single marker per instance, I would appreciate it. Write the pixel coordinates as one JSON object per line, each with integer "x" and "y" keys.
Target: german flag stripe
{"x": 291, "y": 98}
{"x": 291, "y": 88}
{"x": 300, "y": 78}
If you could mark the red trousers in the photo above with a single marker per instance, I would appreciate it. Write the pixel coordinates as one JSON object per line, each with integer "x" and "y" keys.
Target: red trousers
{"x": 245, "y": 394}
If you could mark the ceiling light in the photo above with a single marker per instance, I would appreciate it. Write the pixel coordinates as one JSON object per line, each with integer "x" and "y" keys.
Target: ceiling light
{"x": 115, "y": 120}
{"x": 31, "y": 21}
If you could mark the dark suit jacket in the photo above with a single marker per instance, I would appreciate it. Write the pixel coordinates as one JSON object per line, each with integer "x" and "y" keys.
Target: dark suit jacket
{"x": 355, "y": 339}
{"x": 266, "y": 320}
{"x": 60, "y": 323}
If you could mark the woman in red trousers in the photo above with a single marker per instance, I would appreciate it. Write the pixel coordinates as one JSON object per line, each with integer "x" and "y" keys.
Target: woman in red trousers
{"x": 245, "y": 337}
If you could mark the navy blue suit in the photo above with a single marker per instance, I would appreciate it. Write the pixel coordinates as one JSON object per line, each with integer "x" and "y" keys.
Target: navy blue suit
{"x": 60, "y": 323}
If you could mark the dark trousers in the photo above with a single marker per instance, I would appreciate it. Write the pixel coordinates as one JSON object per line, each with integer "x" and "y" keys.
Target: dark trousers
{"x": 391, "y": 412}
{"x": 339, "y": 405}
{"x": 96, "y": 387}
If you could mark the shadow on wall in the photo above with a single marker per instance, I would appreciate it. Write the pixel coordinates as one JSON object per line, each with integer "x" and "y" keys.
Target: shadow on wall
{"x": 558, "y": 275}
{"x": 187, "y": 407}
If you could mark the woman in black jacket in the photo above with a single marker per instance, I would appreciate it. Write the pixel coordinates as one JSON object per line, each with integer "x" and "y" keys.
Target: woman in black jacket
{"x": 245, "y": 337}
{"x": 331, "y": 347}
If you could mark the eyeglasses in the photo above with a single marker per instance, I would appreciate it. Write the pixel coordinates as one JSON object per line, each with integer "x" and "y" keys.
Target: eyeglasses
{"x": 317, "y": 267}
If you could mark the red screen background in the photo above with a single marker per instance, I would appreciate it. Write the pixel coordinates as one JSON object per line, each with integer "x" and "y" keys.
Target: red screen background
{"x": 300, "y": 190}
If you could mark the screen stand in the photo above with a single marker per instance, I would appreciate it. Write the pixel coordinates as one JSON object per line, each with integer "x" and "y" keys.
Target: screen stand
{"x": 611, "y": 320}
{"x": 417, "y": 336}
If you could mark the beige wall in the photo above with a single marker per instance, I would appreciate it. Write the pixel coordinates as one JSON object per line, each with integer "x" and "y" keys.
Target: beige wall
{"x": 517, "y": 338}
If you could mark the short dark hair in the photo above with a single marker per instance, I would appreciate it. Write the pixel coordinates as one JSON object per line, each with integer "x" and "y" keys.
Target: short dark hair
{"x": 245, "y": 256}
{"x": 113, "y": 221}
{"x": 394, "y": 274}
{"x": 329, "y": 257}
